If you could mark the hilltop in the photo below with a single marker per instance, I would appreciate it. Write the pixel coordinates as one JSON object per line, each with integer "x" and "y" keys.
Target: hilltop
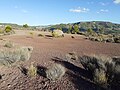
{"x": 108, "y": 27}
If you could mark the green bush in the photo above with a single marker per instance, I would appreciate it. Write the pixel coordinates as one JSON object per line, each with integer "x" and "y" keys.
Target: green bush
{"x": 25, "y": 26}
{"x": 8, "y": 29}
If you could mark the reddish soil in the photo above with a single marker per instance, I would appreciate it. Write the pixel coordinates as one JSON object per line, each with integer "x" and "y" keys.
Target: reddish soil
{"x": 49, "y": 50}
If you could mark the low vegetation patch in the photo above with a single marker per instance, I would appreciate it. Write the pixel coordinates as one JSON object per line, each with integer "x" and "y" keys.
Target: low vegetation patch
{"x": 104, "y": 38}
{"x": 7, "y": 30}
{"x": 55, "y": 72}
{"x": 57, "y": 33}
{"x": 105, "y": 70}
{"x": 10, "y": 56}
{"x": 40, "y": 35}
{"x": 9, "y": 44}
{"x": 32, "y": 70}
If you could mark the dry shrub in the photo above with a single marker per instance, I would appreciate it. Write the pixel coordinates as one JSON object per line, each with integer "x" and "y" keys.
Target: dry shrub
{"x": 10, "y": 56}
{"x": 100, "y": 77}
{"x": 40, "y": 35}
{"x": 32, "y": 70}
{"x": 57, "y": 33}
{"x": 55, "y": 72}
{"x": 105, "y": 70}
{"x": 9, "y": 44}
{"x": 97, "y": 66}
{"x": 71, "y": 56}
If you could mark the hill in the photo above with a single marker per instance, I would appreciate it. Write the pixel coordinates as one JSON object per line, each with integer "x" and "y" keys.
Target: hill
{"x": 108, "y": 27}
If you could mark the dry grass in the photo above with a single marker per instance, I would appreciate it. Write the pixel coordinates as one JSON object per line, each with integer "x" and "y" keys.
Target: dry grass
{"x": 40, "y": 35}
{"x": 100, "y": 77}
{"x": 9, "y": 44}
{"x": 96, "y": 64}
{"x": 32, "y": 70}
{"x": 10, "y": 56}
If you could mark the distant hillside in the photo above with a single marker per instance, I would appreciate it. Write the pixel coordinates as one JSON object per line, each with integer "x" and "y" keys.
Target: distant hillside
{"x": 94, "y": 25}
{"x": 15, "y": 26}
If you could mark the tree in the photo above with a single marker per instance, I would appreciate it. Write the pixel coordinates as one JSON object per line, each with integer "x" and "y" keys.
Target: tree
{"x": 25, "y": 26}
{"x": 90, "y": 31}
{"x": 69, "y": 29}
{"x": 76, "y": 29}
{"x": 102, "y": 30}
{"x": 8, "y": 29}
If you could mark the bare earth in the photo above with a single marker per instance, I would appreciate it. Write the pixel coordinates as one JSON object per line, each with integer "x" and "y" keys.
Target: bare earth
{"x": 47, "y": 51}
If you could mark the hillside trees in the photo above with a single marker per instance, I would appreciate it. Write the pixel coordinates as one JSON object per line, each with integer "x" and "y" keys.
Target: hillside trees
{"x": 69, "y": 29}
{"x": 25, "y": 26}
{"x": 8, "y": 29}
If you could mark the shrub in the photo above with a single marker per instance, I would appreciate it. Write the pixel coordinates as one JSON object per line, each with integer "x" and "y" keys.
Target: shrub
{"x": 10, "y": 56}
{"x": 57, "y": 33}
{"x": 114, "y": 70}
{"x": 71, "y": 56}
{"x": 55, "y": 72}
{"x": 109, "y": 40}
{"x": 100, "y": 78}
{"x": 25, "y": 53}
{"x": 1, "y": 31}
{"x": 9, "y": 44}
{"x": 89, "y": 63}
{"x": 31, "y": 33}
{"x": 117, "y": 39}
{"x": 40, "y": 35}
{"x": 98, "y": 66}
{"x": 105, "y": 70}
{"x": 25, "y": 26}
{"x": 32, "y": 70}
{"x": 8, "y": 29}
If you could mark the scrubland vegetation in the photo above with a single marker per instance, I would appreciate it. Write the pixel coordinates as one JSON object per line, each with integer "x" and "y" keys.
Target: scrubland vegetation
{"x": 104, "y": 70}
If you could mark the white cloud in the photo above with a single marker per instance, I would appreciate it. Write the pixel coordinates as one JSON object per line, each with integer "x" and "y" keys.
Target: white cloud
{"x": 90, "y": 2}
{"x": 98, "y": 12}
{"x": 117, "y": 1}
{"x": 79, "y": 10}
{"x": 103, "y": 11}
{"x": 24, "y": 11}
{"x": 104, "y": 4}
{"x": 16, "y": 7}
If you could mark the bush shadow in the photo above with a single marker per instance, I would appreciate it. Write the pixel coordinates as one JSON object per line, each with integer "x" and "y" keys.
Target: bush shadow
{"x": 41, "y": 70}
{"x": 81, "y": 78}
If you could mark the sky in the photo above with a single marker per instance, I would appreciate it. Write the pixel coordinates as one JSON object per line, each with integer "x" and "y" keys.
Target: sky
{"x": 47, "y": 12}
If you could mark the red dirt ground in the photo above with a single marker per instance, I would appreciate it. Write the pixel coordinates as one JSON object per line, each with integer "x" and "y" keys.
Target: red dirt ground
{"x": 49, "y": 50}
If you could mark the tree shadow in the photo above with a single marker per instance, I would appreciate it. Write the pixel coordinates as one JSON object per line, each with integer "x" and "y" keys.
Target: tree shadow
{"x": 81, "y": 78}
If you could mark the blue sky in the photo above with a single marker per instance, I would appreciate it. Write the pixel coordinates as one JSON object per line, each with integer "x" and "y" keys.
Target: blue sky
{"x": 45, "y": 12}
